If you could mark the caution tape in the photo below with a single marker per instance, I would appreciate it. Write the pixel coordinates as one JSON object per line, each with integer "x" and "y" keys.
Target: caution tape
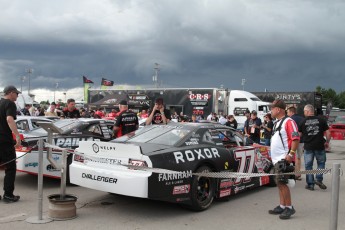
{"x": 222, "y": 175}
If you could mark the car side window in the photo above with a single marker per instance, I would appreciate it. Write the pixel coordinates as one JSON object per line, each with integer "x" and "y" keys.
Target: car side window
{"x": 95, "y": 129}
{"x": 22, "y": 125}
{"x": 229, "y": 138}
{"x": 34, "y": 123}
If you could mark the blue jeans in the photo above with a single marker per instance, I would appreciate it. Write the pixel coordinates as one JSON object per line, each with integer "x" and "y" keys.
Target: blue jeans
{"x": 309, "y": 156}
{"x": 267, "y": 142}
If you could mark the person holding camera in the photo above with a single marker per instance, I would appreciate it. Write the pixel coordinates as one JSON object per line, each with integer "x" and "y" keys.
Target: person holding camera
{"x": 159, "y": 115}
{"x": 284, "y": 142}
{"x": 267, "y": 126}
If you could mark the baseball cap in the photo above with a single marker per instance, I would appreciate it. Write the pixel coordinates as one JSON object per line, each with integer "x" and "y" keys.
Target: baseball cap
{"x": 10, "y": 88}
{"x": 159, "y": 101}
{"x": 279, "y": 104}
{"x": 123, "y": 102}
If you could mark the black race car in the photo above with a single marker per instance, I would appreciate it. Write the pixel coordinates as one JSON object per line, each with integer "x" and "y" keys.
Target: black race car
{"x": 74, "y": 130}
{"x": 182, "y": 147}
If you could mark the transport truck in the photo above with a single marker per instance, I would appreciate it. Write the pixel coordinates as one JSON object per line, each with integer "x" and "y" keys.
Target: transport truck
{"x": 199, "y": 101}
{"x": 296, "y": 99}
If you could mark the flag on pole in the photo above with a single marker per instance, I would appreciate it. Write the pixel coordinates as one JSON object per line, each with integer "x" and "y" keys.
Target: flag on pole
{"x": 87, "y": 85}
{"x": 106, "y": 82}
{"x": 86, "y": 80}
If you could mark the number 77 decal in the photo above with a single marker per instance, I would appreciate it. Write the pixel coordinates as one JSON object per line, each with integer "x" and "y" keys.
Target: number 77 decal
{"x": 246, "y": 159}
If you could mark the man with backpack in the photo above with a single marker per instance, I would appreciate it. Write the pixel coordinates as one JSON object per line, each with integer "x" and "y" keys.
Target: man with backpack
{"x": 284, "y": 142}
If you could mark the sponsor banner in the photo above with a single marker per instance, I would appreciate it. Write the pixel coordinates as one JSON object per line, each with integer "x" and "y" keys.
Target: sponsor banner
{"x": 195, "y": 154}
{"x": 181, "y": 189}
{"x": 90, "y": 176}
{"x": 225, "y": 192}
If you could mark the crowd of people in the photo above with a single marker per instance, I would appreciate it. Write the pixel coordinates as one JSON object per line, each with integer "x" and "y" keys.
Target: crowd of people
{"x": 288, "y": 135}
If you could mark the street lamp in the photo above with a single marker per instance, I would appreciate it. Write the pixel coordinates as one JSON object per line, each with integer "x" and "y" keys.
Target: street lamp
{"x": 22, "y": 79}
{"x": 243, "y": 83}
{"x": 56, "y": 86}
{"x": 155, "y": 77}
{"x": 29, "y": 72}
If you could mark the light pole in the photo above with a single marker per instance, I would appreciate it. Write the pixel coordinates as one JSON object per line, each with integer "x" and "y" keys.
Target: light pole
{"x": 29, "y": 72}
{"x": 56, "y": 86}
{"x": 155, "y": 77}
{"x": 243, "y": 83}
{"x": 22, "y": 79}
{"x": 64, "y": 93}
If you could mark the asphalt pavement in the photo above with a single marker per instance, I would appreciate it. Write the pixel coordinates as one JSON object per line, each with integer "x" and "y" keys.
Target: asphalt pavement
{"x": 100, "y": 210}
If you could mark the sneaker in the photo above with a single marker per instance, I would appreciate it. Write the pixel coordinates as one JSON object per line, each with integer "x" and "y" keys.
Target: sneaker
{"x": 277, "y": 210}
{"x": 288, "y": 212}
{"x": 321, "y": 185}
{"x": 309, "y": 187}
{"x": 11, "y": 199}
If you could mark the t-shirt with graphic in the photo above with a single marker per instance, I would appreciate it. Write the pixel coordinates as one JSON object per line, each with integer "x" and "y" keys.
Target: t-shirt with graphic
{"x": 281, "y": 144}
{"x": 127, "y": 121}
{"x": 157, "y": 117}
{"x": 71, "y": 114}
{"x": 7, "y": 108}
{"x": 312, "y": 129}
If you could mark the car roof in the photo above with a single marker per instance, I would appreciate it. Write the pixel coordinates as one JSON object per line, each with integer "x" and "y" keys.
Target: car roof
{"x": 32, "y": 118}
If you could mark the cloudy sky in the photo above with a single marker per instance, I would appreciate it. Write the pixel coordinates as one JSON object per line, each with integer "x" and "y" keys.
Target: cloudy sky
{"x": 280, "y": 45}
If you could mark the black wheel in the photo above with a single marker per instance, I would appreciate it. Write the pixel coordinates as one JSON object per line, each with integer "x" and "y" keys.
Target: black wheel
{"x": 203, "y": 190}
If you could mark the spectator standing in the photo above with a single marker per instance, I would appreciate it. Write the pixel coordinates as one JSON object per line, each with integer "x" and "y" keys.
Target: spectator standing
{"x": 159, "y": 115}
{"x": 284, "y": 143}
{"x": 222, "y": 119}
{"x": 267, "y": 126}
{"x": 312, "y": 129}
{"x": 8, "y": 111}
{"x": 254, "y": 126}
{"x": 126, "y": 122}
{"x": 231, "y": 122}
{"x": 26, "y": 109}
{"x": 144, "y": 114}
{"x": 194, "y": 119}
{"x": 291, "y": 112}
{"x": 246, "y": 123}
{"x": 51, "y": 110}
{"x": 71, "y": 111}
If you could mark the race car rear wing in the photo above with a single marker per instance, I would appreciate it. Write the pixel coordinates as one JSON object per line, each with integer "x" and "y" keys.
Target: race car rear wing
{"x": 109, "y": 150}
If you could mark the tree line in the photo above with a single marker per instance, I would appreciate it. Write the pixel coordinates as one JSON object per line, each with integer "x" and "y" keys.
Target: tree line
{"x": 329, "y": 95}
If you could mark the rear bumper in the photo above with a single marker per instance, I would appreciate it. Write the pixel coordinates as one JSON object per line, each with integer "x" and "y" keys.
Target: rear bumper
{"x": 118, "y": 180}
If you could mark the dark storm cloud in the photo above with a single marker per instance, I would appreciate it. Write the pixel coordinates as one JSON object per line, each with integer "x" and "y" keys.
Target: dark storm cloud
{"x": 277, "y": 45}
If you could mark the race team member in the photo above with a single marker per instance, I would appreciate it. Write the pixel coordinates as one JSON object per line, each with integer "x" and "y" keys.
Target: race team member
{"x": 71, "y": 111}
{"x": 159, "y": 115}
{"x": 291, "y": 112}
{"x": 284, "y": 142}
{"x": 126, "y": 122}
{"x": 312, "y": 129}
{"x": 8, "y": 112}
{"x": 253, "y": 127}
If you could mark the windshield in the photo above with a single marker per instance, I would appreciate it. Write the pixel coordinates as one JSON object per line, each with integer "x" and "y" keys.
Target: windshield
{"x": 161, "y": 134}
{"x": 340, "y": 120}
{"x": 255, "y": 99}
{"x": 64, "y": 124}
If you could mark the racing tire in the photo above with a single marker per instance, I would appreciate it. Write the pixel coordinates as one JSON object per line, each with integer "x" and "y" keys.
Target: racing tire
{"x": 202, "y": 190}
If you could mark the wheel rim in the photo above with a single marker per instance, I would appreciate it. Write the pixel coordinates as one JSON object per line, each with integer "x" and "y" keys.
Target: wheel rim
{"x": 203, "y": 192}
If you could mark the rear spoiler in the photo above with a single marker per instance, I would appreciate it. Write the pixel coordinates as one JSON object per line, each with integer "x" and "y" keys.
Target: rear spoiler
{"x": 109, "y": 149}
